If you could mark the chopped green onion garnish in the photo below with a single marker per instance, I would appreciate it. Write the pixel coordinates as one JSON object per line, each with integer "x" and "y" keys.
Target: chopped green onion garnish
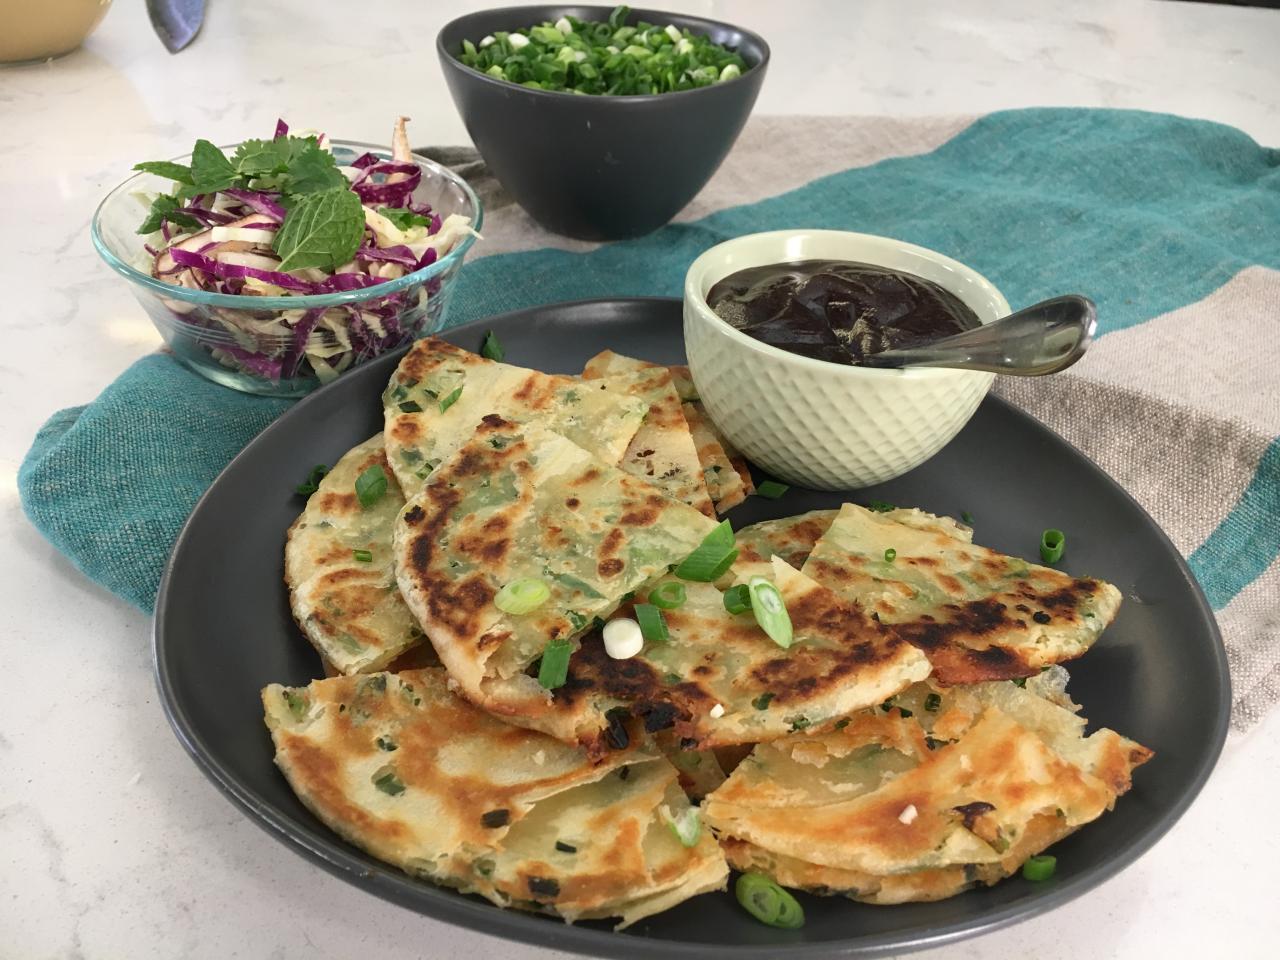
{"x": 491, "y": 349}
{"x": 768, "y": 902}
{"x": 879, "y": 506}
{"x": 771, "y": 489}
{"x": 653, "y": 626}
{"x": 450, "y": 400}
{"x": 890, "y": 555}
{"x": 932, "y": 702}
{"x": 712, "y": 558}
{"x": 522, "y": 596}
{"x": 370, "y": 486}
{"x": 554, "y": 669}
{"x": 1039, "y": 869}
{"x": 668, "y": 595}
{"x": 363, "y": 556}
{"x": 1052, "y": 543}
{"x": 737, "y": 599}
{"x": 770, "y": 611}
{"x": 312, "y": 483}
{"x": 762, "y": 702}
{"x": 411, "y": 406}
{"x": 607, "y": 58}
{"x": 687, "y": 827}
{"x": 966, "y": 517}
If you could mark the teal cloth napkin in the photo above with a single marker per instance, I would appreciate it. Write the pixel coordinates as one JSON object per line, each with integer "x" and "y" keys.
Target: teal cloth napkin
{"x": 1145, "y": 212}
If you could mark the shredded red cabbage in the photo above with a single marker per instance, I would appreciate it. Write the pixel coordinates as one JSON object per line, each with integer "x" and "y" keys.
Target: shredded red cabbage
{"x": 229, "y": 271}
{"x": 282, "y": 130}
{"x": 263, "y": 203}
{"x": 397, "y": 254}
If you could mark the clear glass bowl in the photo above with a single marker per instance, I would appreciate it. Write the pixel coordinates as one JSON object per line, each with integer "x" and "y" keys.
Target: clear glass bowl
{"x": 223, "y": 336}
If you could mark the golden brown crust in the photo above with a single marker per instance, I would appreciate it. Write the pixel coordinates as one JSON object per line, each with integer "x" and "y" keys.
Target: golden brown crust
{"x": 414, "y": 775}
{"x": 977, "y": 614}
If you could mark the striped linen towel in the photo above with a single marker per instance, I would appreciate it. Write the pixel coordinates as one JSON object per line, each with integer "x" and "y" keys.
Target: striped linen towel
{"x": 1171, "y": 225}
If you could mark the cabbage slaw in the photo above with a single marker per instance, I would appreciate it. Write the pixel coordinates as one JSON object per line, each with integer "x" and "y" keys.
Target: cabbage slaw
{"x": 236, "y": 240}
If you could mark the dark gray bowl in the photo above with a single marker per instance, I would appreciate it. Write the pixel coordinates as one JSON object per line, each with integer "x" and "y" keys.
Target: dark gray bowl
{"x": 595, "y": 167}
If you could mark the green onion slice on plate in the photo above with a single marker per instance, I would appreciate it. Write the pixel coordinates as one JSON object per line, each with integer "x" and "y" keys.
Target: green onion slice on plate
{"x": 737, "y": 599}
{"x": 370, "y": 486}
{"x": 712, "y": 558}
{"x": 554, "y": 669}
{"x": 687, "y": 827}
{"x": 363, "y": 556}
{"x": 491, "y": 349}
{"x": 668, "y": 595}
{"x": 653, "y": 626}
{"x": 312, "y": 483}
{"x": 770, "y": 611}
{"x": 771, "y": 489}
{"x": 1039, "y": 869}
{"x": 522, "y": 596}
{"x": 1052, "y": 543}
{"x": 768, "y": 902}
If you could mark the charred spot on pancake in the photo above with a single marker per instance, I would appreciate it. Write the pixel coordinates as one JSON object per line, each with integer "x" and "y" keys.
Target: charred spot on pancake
{"x": 610, "y": 567}
{"x": 657, "y": 716}
{"x": 616, "y": 732}
{"x": 496, "y": 818}
{"x": 589, "y": 475}
{"x": 413, "y": 516}
{"x": 970, "y": 812}
{"x": 573, "y": 503}
{"x": 1041, "y": 617}
{"x": 544, "y": 886}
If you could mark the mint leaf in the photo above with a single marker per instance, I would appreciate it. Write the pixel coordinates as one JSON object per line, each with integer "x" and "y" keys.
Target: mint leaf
{"x": 166, "y": 208}
{"x": 404, "y": 219}
{"x": 312, "y": 170}
{"x": 211, "y": 171}
{"x": 167, "y": 169}
{"x": 255, "y": 158}
{"x": 321, "y": 230}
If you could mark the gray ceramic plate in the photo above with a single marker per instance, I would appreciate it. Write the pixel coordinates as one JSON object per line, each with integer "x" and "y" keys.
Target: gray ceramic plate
{"x": 1159, "y": 675}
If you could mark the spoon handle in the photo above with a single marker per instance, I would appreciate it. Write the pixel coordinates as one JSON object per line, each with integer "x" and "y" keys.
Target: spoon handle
{"x": 1042, "y": 339}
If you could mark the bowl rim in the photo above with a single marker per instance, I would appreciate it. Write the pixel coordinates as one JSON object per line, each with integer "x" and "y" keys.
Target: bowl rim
{"x": 637, "y": 98}
{"x": 695, "y": 299}
{"x": 302, "y": 301}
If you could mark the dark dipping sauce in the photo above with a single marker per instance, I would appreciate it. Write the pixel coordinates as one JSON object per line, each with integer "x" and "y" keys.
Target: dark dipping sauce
{"x": 837, "y": 310}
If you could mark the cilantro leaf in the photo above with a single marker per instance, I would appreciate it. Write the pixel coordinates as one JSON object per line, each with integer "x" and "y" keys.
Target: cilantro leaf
{"x": 167, "y": 169}
{"x": 312, "y": 170}
{"x": 404, "y": 219}
{"x": 321, "y": 230}
{"x": 211, "y": 171}
{"x": 166, "y": 208}
{"x": 254, "y": 158}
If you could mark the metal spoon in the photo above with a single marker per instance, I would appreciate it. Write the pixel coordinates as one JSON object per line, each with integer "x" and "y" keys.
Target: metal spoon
{"x": 1041, "y": 339}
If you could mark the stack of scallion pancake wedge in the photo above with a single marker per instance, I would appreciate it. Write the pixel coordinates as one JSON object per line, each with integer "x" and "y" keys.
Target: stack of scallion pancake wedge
{"x": 881, "y": 754}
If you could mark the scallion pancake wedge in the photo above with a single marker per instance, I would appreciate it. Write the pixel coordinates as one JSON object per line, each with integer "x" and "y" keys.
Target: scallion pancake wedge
{"x": 977, "y": 614}
{"x": 439, "y": 393}
{"x": 917, "y": 803}
{"x": 662, "y": 450}
{"x": 719, "y": 680}
{"x": 519, "y": 501}
{"x": 413, "y": 774}
{"x": 789, "y": 538}
{"x": 350, "y": 609}
{"x": 724, "y": 470}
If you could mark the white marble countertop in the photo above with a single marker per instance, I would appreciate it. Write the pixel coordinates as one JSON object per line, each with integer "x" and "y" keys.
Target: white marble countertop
{"x": 112, "y": 844}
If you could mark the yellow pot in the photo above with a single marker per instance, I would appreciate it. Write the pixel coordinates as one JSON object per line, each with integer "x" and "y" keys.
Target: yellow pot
{"x": 40, "y": 29}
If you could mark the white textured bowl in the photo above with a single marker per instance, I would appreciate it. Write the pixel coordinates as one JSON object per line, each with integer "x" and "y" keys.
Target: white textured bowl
{"x": 818, "y": 424}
